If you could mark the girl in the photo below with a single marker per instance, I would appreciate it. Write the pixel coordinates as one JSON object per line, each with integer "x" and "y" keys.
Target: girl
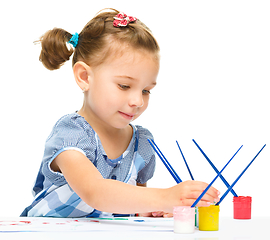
{"x": 95, "y": 162}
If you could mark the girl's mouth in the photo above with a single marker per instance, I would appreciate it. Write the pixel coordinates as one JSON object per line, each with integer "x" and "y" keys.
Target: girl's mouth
{"x": 127, "y": 116}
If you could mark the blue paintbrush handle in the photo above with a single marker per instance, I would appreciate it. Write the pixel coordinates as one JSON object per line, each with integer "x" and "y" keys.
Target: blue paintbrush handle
{"x": 216, "y": 170}
{"x": 225, "y": 194}
{"x": 202, "y": 194}
{"x": 165, "y": 161}
{"x": 185, "y": 161}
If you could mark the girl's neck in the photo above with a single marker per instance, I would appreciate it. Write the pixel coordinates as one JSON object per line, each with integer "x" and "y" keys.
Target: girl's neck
{"x": 114, "y": 141}
{"x": 99, "y": 126}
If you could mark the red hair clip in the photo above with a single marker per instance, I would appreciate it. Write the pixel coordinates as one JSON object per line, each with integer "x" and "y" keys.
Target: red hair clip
{"x": 122, "y": 20}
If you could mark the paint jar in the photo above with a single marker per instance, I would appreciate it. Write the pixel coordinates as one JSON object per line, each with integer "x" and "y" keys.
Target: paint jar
{"x": 242, "y": 207}
{"x": 184, "y": 219}
{"x": 209, "y": 218}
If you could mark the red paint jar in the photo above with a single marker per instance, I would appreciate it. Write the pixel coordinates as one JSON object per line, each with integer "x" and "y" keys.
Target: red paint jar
{"x": 242, "y": 207}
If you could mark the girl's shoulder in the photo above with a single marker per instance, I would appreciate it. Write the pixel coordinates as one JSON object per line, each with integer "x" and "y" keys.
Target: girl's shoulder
{"x": 72, "y": 120}
{"x": 144, "y": 148}
{"x": 70, "y": 131}
{"x": 72, "y": 123}
{"x": 143, "y": 133}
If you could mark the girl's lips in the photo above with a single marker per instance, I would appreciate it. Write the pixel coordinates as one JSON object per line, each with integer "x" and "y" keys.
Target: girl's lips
{"x": 127, "y": 116}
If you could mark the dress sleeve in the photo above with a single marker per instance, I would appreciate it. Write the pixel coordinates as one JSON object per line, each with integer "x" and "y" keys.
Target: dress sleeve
{"x": 147, "y": 154}
{"x": 69, "y": 133}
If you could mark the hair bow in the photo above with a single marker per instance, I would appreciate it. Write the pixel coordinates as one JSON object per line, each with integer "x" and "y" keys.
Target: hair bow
{"x": 122, "y": 20}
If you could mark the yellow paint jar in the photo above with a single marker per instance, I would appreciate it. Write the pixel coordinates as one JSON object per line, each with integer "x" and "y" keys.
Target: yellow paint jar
{"x": 209, "y": 218}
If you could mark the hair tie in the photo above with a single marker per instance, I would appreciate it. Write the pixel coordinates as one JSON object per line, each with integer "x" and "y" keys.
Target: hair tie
{"x": 74, "y": 40}
{"x": 122, "y": 20}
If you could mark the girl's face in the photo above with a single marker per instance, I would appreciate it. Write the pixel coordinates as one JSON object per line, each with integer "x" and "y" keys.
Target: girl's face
{"x": 119, "y": 89}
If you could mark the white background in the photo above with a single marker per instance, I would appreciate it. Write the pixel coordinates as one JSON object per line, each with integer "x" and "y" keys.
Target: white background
{"x": 213, "y": 86}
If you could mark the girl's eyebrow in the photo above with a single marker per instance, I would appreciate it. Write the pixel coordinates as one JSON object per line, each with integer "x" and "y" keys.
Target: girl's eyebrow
{"x": 125, "y": 76}
{"x": 131, "y": 78}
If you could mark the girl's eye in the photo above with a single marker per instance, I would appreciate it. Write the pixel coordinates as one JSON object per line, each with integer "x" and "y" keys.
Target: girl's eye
{"x": 124, "y": 87}
{"x": 146, "y": 92}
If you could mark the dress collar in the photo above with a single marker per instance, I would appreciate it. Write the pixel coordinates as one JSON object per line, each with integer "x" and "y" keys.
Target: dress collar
{"x": 115, "y": 162}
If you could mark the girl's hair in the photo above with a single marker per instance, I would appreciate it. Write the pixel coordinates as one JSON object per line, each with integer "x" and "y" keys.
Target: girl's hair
{"x": 97, "y": 41}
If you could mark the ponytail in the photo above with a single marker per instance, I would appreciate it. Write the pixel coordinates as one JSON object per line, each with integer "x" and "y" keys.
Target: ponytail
{"x": 100, "y": 38}
{"x": 55, "y": 51}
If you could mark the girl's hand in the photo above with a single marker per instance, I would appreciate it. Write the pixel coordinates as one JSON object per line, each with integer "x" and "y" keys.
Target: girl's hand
{"x": 186, "y": 193}
{"x": 156, "y": 214}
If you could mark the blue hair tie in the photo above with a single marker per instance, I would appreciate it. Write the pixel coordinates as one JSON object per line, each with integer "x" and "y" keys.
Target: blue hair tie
{"x": 74, "y": 39}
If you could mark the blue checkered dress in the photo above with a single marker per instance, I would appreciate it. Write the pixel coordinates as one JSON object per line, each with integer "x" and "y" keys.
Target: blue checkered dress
{"x": 53, "y": 197}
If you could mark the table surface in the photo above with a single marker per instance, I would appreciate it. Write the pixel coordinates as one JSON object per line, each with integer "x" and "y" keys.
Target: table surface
{"x": 128, "y": 228}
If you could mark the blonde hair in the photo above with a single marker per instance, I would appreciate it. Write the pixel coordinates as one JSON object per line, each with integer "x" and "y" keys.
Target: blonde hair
{"x": 98, "y": 40}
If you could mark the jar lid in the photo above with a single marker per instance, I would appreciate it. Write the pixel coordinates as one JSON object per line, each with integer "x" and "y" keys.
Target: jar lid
{"x": 242, "y": 199}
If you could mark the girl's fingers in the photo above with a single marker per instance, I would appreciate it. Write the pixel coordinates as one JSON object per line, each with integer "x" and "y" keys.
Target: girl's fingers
{"x": 201, "y": 186}
{"x": 212, "y": 193}
{"x": 189, "y": 191}
{"x": 190, "y": 201}
{"x": 206, "y": 197}
{"x": 167, "y": 215}
{"x": 203, "y": 204}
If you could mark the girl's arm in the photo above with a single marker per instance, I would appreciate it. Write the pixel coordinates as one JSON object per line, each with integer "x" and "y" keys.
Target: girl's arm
{"x": 114, "y": 196}
{"x": 154, "y": 214}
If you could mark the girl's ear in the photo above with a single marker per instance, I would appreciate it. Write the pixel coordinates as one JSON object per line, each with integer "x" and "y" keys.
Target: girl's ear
{"x": 82, "y": 74}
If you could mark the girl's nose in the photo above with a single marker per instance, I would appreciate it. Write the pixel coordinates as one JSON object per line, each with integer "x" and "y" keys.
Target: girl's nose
{"x": 136, "y": 100}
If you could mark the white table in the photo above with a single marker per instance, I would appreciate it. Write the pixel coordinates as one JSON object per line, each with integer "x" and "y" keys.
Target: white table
{"x": 57, "y": 228}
